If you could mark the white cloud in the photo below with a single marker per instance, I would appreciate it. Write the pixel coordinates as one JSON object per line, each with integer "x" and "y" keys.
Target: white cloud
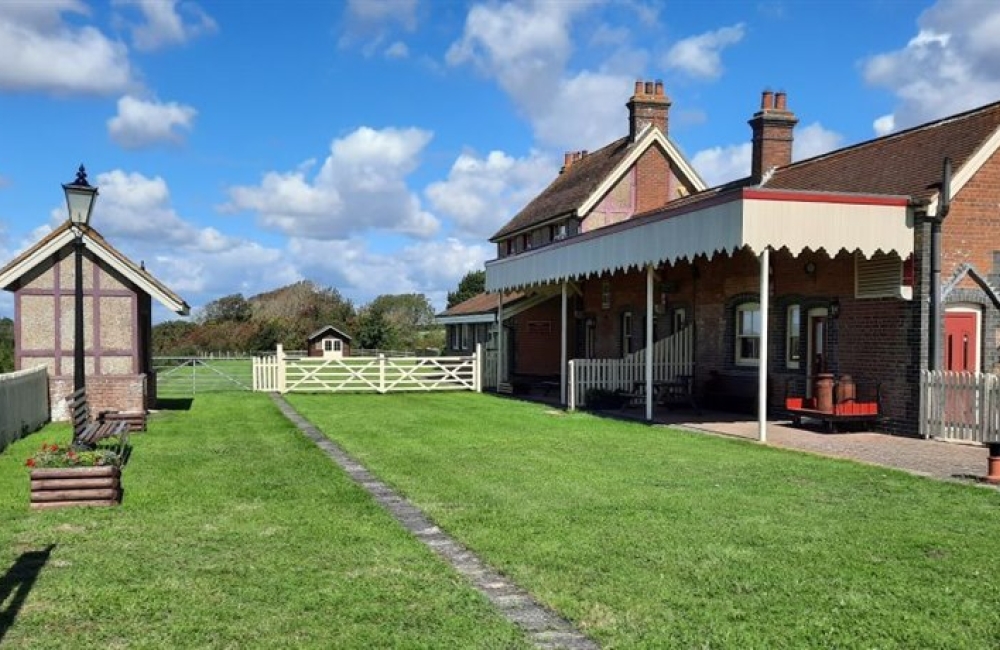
{"x": 699, "y": 56}
{"x": 481, "y": 194}
{"x": 814, "y": 140}
{"x": 360, "y": 186}
{"x": 141, "y": 123}
{"x": 526, "y": 48}
{"x": 952, "y": 64}
{"x": 43, "y": 52}
{"x": 884, "y": 125}
{"x": 373, "y": 22}
{"x": 163, "y": 24}
{"x": 718, "y": 165}
{"x": 397, "y": 50}
{"x": 432, "y": 268}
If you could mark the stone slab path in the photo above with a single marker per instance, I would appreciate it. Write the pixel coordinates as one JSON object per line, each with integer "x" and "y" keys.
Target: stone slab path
{"x": 544, "y": 628}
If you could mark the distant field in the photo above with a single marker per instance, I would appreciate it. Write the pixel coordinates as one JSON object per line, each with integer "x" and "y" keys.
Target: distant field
{"x": 186, "y": 376}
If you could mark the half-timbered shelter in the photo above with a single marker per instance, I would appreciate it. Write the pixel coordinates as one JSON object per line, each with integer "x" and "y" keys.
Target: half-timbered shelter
{"x": 117, "y": 295}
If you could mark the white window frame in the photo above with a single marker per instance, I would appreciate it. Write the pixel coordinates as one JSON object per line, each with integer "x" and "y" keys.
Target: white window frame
{"x": 793, "y": 336}
{"x": 742, "y": 308}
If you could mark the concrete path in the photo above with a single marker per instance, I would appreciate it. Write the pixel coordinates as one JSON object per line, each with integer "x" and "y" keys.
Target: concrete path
{"x": 544, "y": 628}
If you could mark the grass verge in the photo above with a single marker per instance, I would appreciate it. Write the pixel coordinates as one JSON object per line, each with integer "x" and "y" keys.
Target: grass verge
{"x": 648, "y": 537}
{"x": 235, "y": 532}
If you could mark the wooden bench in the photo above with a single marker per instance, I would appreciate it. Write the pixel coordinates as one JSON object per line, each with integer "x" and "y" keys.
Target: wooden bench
{"x": 136, "y": 420}
{"x": 731, "y": 392}
{"x": 90, "y": 432}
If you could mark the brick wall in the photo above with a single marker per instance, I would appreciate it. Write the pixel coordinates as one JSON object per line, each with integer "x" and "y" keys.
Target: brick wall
{"x": 537, "y": 339}
{"x": 711, "y": 290}
{"x": 104, "y": 393}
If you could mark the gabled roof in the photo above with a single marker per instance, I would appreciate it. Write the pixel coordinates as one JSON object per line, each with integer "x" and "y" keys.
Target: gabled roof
{"x": 329, "y": 328}
{"x": 99, "y": 247}
{"x": 908, "y": 163}
{"x": 580, "y": 187}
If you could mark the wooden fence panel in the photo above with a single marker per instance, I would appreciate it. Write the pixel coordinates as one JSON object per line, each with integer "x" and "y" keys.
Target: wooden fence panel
{"x": 24, "y": 403}
{"x": 673, "y": 357}
{"x": 960, "y": 406}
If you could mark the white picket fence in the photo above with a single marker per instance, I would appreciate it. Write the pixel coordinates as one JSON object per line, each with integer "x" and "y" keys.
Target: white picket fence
{"x": 24, "y": 403}
{"x": 673, "y": 357}
{"x": 962, "y": 406}
{"x": 282, "y": 374}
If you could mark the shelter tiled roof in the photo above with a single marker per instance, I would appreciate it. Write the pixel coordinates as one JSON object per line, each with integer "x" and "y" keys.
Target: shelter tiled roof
{"x": 569, "y": 190}
{"x": 907, "y": 163}
{"x": 482, "y": 303}
{"x": 329, "y": 328}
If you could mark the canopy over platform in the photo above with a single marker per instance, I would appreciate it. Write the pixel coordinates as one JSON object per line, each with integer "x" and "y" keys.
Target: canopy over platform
{"x": 718, "y": 222}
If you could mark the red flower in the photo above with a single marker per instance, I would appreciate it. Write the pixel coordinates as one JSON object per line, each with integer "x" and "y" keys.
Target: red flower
{"x": 30, "y": 462}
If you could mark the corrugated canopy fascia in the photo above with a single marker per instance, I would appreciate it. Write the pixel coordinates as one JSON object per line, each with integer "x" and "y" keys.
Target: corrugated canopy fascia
{"x": 749, "y": 218}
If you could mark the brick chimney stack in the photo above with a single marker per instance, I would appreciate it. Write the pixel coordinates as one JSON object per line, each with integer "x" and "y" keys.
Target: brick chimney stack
{"x": 772, "y": 129}
{"x": 649, "y": 105}
{"x": 571, "y": 157}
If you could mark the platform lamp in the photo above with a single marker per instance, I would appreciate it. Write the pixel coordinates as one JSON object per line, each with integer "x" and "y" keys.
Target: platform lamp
{"x": 80, "y": 199}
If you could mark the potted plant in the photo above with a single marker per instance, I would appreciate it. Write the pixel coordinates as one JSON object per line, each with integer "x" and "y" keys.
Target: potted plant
{"x": 64, "y": 476}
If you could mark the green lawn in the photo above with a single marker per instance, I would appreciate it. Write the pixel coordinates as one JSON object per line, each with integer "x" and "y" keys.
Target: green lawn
{"x": 235, "y": 532}
{"x": 647, "y": 537}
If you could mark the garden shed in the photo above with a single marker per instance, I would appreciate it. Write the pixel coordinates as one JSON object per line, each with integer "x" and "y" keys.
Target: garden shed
{"x": 330, "y": 343}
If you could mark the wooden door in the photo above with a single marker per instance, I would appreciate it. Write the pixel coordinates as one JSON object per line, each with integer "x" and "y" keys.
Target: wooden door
{"x": 961, "y": 336}
{"x": 961, "y": 342}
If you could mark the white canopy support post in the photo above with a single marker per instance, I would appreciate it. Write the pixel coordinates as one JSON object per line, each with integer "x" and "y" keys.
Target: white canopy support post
{"x": 765, "y": 289}
{"x": 649, "y": 342}
{"x": 499, "y": 346}
{"x": 562, "y": 347}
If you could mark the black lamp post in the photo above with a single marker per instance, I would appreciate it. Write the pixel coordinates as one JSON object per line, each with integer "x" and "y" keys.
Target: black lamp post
{"x": 80, "y": 199}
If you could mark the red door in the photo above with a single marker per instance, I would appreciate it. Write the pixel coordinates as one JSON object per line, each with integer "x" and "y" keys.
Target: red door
{"x": 960, "y": 341}
{"x": 960, "y": 345}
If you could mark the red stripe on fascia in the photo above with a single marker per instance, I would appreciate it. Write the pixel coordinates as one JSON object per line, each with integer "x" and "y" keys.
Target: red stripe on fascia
{"x": 822, "y": 197}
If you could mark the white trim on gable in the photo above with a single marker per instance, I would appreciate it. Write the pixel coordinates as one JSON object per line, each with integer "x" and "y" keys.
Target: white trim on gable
{"x": 969, "y": 169}
{"x": 651, "y": 136}
{"x": 66, "y": 237}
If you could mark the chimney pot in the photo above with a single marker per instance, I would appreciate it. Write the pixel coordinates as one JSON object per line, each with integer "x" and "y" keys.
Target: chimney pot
{"x": 766, "y": 100}
{"x": 567, "y": 159}
{"x": 649, "y": 87}
{"x": 659, "y": 88}
{"x": 780, "y": 100}
{"x": 638, "y": 87}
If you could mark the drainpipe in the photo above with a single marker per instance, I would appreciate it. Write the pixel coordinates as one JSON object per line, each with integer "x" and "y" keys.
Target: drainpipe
{"x": 935, "y": 343}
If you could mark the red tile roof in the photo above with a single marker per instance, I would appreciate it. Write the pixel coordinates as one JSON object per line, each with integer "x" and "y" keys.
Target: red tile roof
{"x": 569, "y": 190}
{"x": 907, "y": 163}
{"x": 482, "y": 303}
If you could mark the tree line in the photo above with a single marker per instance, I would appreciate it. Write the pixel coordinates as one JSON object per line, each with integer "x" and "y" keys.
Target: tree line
{"x": 290, "y": 314}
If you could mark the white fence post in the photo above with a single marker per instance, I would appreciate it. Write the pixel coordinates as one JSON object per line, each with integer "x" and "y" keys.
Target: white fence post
{"x": 279, "y": 356}
{"x": 572, "y": 385}
{"x": 477, "y": 368}
{"x": 381, "y": 373}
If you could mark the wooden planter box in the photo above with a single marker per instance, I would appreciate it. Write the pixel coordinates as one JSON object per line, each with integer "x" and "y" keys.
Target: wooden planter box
{"x": 76, "y": 486}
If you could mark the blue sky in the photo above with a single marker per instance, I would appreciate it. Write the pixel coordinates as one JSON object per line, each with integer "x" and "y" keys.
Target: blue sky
{"x": 374, "y": 146}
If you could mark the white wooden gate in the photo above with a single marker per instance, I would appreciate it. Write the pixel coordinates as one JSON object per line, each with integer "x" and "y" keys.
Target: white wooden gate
{"x": 962, "y": 406}
{"x": 381, "y": 374}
